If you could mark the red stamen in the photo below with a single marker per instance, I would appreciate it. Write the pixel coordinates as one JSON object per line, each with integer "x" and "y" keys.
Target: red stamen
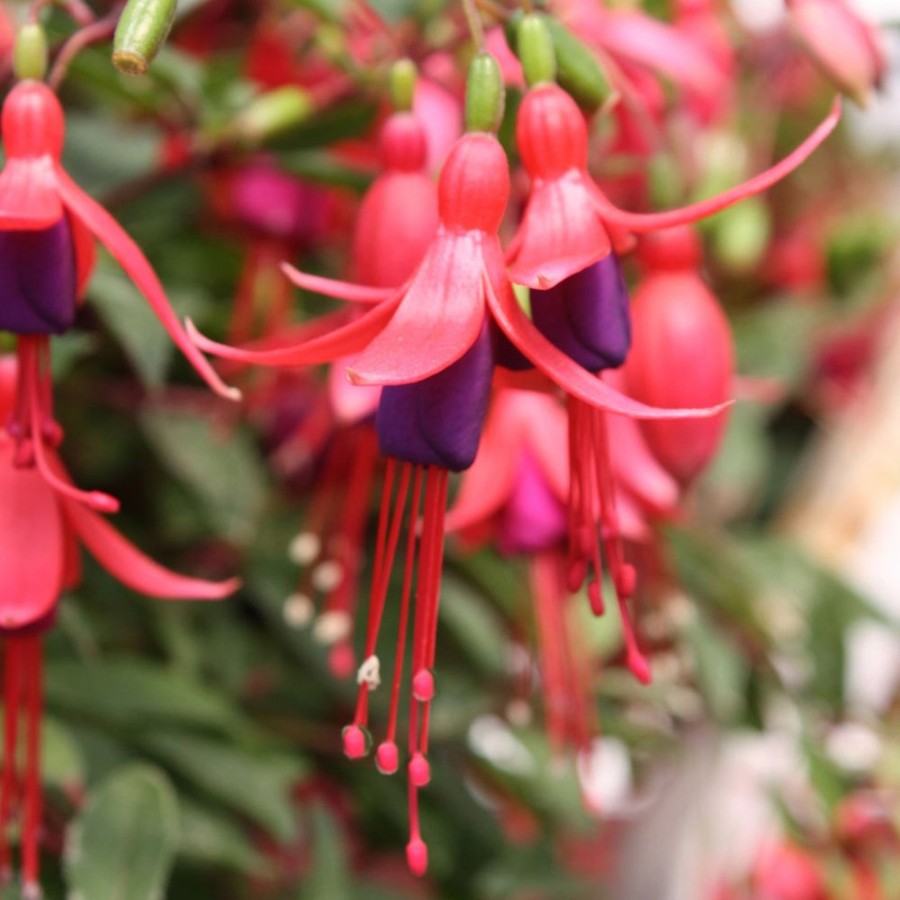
{"x": 12, "y": 689}
{"x": 387, "y": 758}
{"x": 33, "y": 798}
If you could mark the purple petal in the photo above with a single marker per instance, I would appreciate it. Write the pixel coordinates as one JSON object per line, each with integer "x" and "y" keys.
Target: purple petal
{"x": 37, "y": 280}
{"x": 586, "y": 315}
{"x": 534, "y": 518}
{"x": 438, "y": 421}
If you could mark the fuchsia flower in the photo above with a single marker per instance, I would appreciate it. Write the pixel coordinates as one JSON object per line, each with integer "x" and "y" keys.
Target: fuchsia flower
{"x": 847, "y": 48}
{"x": 43, "y": 520}
{"x": 568, "y": 222}
{"x": 679, "y": 327}
{"x": 45, "y": 215}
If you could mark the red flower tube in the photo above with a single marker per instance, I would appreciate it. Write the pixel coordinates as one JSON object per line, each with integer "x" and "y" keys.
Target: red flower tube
{"x": 38, "y": 197}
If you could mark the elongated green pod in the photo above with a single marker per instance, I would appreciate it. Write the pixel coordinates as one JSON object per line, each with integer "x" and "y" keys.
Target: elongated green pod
{"x": 577, "y": 70}
{"x": 142, "y": 30}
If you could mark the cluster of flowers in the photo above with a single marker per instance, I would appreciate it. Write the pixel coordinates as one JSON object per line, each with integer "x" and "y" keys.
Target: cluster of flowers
{"x": 575, "y": 414}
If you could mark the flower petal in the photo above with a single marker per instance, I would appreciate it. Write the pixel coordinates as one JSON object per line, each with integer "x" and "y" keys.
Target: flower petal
{"x": 32, "y": 545}
{"x": 438, "y": 318}
{"x": 571, "y": 377}
{"x": 340, "y": 290}
{"x": 132, "y": 567}
{"x": 29, "y": 195}
{"x": 561, "y": 233}
{"x": 487, "y": 485}
{"x": 343, "y": 341}
{"x": 129, "y": 256}
{"x": 640, "y": 223}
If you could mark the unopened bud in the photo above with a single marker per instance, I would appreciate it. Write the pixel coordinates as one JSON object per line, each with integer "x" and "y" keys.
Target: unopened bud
{"x": 577, "y": 69}
{"x": 485, "y": 95}
{"x": 30, "y": 54}
{"x": 403, "y": 84}
{"x": 273, "y": 113}
{"x": 142, "y": 30}
{"x": 848, "y": 49}
{"x": 534, "y": 47}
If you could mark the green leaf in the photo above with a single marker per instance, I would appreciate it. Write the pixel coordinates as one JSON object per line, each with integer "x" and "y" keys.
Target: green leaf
{"x": 126, "y": 313}
{"x": 122, "y": 846}
{"x": 329, "y": 876}
{"x": 258, "y": 785}
{"x": 214, "y": 839}
{"x": 221, "y": 468}
{"x": 137, "y": 695}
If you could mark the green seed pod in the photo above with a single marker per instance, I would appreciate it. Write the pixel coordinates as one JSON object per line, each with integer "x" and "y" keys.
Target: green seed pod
{"x": 534, "y": 47}
{"x": 273, "y": 113}
{"x": 142, "y": 30}
{"x": 578, "y": 71}
{"x": 485, "y": 94}
{"x": 30, "y": 54}
{"x": 403, "y": 84}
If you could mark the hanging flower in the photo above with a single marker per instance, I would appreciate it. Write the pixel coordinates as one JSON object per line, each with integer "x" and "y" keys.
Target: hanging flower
{"x": 44, "y": 519}
{"x": 568, "y": 222}
{"x": 679, "y": 328}
{"x": 47, "y": 220}
{"x": 848, "y": 49}
{"x": 432, "y": 346}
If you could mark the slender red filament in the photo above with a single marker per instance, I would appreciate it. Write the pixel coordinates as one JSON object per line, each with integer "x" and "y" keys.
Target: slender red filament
{"x": 20, "y": 791}
{"x": 593, "y": 521}
{"x": 419, "y": 600}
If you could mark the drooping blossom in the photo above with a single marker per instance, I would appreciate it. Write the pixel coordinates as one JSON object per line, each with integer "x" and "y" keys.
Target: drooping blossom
{"x": 848, "y": 49}
{"x": 45, "y": 215}
{"x": 515, "y": 495}
{"x": 568, "y": 223}
{"x": 44, "y": 520}
{"x": 396, "y": 223}
{"x": 682, "y": 353}
{"x": 431, "y": 346}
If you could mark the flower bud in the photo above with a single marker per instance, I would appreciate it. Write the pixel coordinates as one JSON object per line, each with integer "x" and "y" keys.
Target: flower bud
{"x": 30, "y": 54}
{"x": 142, "y": 30}
{"x": 484, "y": 94}
{"x": 682, "y": 356}
{"x": 403, "y": 84}
{"x": 578, "y": 71}
{"x": 273, "y": 113}
{"x": 844, "y": 46}
{"x": 535, "y": 50}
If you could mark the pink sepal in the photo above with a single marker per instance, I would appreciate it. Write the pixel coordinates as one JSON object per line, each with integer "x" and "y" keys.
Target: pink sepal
{"x": 571, "y": 377}
{"x": 132, "y": 567}
{"x": 129, "y": 256}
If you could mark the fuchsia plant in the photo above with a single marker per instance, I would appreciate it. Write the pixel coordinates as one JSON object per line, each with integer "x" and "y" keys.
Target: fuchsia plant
{"x": 455, "y": 301}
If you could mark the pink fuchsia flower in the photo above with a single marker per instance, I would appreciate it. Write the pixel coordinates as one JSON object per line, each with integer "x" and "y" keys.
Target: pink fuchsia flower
{"x": 568, "y": 222}
{"x": 786, "y": 872}
{"x": 39, "y": 200}
{"x": 848, "y": 49}
{"x": 431, "y": 347}
{"x": 683, "y": 351}
{"x": 520, "y": 493}
{"x": 44, "y": 520}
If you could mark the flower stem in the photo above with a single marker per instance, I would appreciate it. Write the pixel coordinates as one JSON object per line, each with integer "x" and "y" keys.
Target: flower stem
{"x": 473, "y": 19}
